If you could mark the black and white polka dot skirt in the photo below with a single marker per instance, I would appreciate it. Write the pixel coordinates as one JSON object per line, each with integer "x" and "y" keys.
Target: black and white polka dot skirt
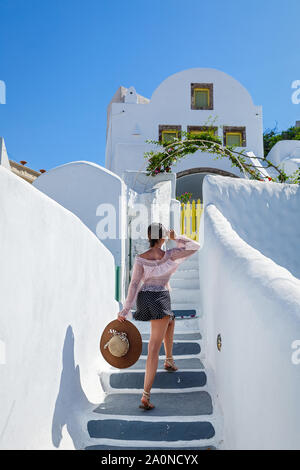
{"x": 153, "y": 305}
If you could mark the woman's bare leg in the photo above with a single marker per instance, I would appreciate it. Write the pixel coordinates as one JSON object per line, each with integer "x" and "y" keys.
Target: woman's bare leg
{"x": 158, "y": 330}
{"x": 168, "y": 339}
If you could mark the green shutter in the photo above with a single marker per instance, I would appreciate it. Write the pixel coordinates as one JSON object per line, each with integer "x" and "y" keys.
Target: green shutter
{"x": 234, "y": 139}
{"x": 169, "y": 136}
{"x": 201, "y": 98}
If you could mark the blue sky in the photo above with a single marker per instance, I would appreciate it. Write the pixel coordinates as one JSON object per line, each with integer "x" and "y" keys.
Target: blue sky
{"x": 62, "y": 60}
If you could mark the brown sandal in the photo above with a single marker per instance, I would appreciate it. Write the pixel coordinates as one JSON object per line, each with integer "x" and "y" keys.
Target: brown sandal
{"x": 147, "y": 406}
{"x": 170, "y": 364}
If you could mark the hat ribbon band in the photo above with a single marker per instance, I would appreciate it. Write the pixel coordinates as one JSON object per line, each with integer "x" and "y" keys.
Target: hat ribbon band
{"x": 121, "y": 334}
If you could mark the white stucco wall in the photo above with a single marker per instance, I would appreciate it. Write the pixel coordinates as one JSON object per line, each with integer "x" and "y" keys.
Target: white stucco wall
{"x": 82, "y": 187}
{"x": 264, "y": 214}
{"x": 255, "y": 305}
{"x": 286, "y": 155}
{"x": 57, "y": 287}
{"x": 170, "y": 105}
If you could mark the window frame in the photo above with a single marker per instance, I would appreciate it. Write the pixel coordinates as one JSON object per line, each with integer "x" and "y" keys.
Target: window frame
{"x": 234, "y": 130}
{"x": 202, "y": 86}
{"x": 168, "y": 129}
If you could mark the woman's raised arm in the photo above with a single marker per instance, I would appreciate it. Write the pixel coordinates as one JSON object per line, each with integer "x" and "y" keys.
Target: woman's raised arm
{"x": 185, "y": 247}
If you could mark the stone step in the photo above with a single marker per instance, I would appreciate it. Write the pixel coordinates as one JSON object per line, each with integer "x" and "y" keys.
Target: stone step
{"x": 184, "y": 313}
{"x": 187, "y": 325}
{"x": 186, "y": 304}
{"x": 185, "y": 283}
{"x": 182, "y": 364}
{"x": 182, "y": 325}
{"x": 179, "y": 348}
{"x": 179, "y": 336}
{"x": 111, "y": 447}
{"x": 192, "y": 261}
{"x": 180, "y": 295}
{"x": 154, "y": 431}
{"x": 186, "y": 270}
{"x": 185, "y": 273}
{"x": 167, "y": 404}
{"x": 163, "y": 380}
{"x": 179, "y": 313}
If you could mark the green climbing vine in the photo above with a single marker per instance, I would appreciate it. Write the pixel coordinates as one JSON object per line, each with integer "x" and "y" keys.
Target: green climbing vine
{"x": 169, "y": 153}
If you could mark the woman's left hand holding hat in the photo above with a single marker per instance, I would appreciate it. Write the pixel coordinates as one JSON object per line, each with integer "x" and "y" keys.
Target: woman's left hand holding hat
{"x": 122, "y": 316}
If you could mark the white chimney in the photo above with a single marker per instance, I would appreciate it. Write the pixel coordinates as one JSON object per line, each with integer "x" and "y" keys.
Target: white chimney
{"x": 131, "y": 96}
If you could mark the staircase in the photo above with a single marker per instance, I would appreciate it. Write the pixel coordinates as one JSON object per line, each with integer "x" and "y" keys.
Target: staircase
{"x": 185, "y": 285}
{"x": 184, "y": 416}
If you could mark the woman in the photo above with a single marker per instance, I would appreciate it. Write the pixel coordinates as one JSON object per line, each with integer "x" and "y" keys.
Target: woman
{"x": 153, "y": 269}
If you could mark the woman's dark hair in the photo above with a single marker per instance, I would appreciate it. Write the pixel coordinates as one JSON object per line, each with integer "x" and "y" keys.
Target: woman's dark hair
{"x": 156, "y": 231}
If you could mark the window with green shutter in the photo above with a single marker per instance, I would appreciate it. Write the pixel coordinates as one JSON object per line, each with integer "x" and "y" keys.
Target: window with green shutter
{"x": 167, "y": 133}
{"x": 234, "y": 136}
{"x": 202, "y": 96}
{"x": 168, "y": 136}
{"x": 234, "y": 139}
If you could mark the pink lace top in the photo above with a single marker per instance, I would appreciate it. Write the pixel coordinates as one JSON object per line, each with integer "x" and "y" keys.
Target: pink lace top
{"x": 155, "y": 274}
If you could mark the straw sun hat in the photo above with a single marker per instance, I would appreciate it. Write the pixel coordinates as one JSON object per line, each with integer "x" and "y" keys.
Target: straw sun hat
{"x": 121, "y": 344}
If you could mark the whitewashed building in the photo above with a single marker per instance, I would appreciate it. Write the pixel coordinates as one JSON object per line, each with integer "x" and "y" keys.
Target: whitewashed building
{"x": 186, "y": 101}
